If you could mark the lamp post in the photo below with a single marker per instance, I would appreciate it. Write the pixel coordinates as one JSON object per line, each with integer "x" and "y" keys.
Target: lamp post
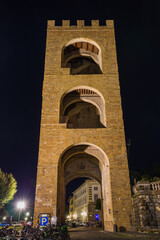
{"x": 20, "y": 206}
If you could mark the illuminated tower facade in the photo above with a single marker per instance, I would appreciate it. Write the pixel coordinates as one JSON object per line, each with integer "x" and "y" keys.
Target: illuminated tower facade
{"x": 82, "y": 130}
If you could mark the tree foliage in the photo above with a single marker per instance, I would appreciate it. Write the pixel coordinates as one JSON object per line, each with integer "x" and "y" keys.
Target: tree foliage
{"x": 134, "y": 177}
{"x": 155, "y": 179}
{"x": 156, "y": 170}
{"x": 145, "y": 176}
{"x": 8, "y": 187}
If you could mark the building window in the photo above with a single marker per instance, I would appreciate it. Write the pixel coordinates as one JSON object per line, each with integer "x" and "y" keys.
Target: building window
{"x": 95, "y": 188}
{"x": 95, "y": 197}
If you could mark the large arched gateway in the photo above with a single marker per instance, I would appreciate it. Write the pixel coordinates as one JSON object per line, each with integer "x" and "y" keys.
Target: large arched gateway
{"x": 84, "y": 160}
{"x": 82, "y": 132}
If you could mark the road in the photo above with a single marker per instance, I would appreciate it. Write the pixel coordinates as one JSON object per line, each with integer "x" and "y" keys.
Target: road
{"x": 90, "y": 234}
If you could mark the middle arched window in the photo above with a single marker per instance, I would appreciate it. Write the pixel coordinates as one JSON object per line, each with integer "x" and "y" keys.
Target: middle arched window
{"x": 83, "y": 107}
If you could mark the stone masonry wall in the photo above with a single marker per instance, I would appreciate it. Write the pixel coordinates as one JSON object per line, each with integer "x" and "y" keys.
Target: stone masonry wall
{"x": 146, "y": 204}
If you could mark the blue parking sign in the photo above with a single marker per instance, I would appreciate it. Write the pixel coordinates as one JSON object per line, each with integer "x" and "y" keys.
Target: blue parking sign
{"x": 43, "y": 221}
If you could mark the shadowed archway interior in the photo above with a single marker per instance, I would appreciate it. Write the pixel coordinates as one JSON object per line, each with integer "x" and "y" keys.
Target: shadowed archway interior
{"x": 82, "y": 57}
{"x": 82, "y": 108}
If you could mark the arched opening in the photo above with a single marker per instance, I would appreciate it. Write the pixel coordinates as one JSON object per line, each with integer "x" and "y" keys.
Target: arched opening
{"x": 82, "y": 107}
{"x": 89, "y": 161}
{"x": 82, "y": 56}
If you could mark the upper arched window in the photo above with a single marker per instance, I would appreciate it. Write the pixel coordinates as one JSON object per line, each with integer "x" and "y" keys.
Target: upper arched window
{"x": 82, "y": 57}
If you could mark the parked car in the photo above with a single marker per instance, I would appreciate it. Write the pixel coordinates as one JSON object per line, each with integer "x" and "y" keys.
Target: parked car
{"x": 29, "y": 223}
{"x": 16, "y": 224}
{"x": 5, "y": 224}
{"x": 22, "y": 223}
{"x": 84, "y": 224}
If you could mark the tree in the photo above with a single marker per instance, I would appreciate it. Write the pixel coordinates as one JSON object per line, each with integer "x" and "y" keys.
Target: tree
{"x": 8, "y": 187}
{"x": 134, "y": 177}
{"x": 155, "y": 179}
{"x": 156, "y": 170}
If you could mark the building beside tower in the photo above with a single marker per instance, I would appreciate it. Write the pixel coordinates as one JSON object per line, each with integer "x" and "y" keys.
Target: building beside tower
{"x": 82, "y": 204}
{"x": 82, "y": 131}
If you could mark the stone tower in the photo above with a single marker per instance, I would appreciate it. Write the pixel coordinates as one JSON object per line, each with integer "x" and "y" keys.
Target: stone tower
{"x": 82, "y": 131}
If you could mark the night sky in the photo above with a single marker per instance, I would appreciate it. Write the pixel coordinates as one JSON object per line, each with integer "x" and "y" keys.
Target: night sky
{"x": 22, "y": 41}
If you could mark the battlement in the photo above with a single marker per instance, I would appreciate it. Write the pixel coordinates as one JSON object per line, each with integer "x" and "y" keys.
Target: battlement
{"x": 80, "y": 24}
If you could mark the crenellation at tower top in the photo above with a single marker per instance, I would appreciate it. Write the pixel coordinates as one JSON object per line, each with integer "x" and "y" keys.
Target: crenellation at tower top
{"x": 81, "y": 23}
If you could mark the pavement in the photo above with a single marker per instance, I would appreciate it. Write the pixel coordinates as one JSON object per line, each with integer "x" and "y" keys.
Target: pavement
{"x": 92, "y": 234}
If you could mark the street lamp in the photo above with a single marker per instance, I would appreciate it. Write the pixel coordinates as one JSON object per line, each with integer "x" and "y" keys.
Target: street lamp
{"x": 84, "y": 214}
{"x": 75, "y": 216}
{"x": 4, "y": 218}
{"x": 20, "y": 206}
{"x": 27, "y": 213}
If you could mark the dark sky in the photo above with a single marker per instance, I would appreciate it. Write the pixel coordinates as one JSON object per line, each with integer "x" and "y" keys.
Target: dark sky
{"x": 22, "y": 41}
